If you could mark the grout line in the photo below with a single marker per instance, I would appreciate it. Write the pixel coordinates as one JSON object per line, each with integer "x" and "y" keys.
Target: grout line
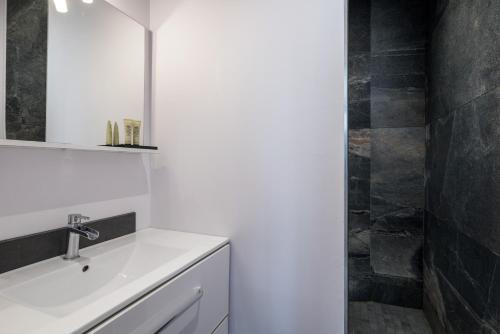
{"x": 457, "y": 108}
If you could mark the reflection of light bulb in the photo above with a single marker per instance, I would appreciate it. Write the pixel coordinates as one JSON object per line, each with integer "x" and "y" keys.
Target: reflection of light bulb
{"x": 88, "y": 1}
{"x": 61, "y": 6}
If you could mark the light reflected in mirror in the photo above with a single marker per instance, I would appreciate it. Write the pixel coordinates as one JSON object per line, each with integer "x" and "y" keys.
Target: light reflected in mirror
{"x": 70, "y": 67}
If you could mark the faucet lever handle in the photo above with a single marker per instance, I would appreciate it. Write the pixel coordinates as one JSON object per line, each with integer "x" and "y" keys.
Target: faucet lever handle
{"x": 76, "y": 218}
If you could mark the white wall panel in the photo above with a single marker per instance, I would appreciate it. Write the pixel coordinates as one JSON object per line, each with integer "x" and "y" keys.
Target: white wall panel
{"x": 249, "y": 114}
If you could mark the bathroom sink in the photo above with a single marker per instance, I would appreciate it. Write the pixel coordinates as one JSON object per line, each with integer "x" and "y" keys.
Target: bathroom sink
{"x": 72, "y": 296}
{"x": 62, "y": 291}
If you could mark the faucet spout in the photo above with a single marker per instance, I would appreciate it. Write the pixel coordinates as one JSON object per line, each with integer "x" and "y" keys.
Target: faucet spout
{"x": 75, "y": 230}
{"x": 84, "y": 231}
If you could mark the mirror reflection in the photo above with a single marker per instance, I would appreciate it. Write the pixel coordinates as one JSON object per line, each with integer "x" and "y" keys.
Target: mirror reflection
{"x": 72, "y": 68}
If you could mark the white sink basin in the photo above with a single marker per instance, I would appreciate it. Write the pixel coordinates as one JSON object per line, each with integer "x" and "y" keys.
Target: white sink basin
{"x": 62, "y": 291}
{"x": 60, "y": 296}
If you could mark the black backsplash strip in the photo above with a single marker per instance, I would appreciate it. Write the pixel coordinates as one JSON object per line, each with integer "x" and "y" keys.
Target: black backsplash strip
{"x": 110, "y": 228}
{"x": 29, "y": 249}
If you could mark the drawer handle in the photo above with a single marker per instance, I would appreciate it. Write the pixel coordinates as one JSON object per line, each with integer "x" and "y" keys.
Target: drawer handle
{"x": 193, "y": 298}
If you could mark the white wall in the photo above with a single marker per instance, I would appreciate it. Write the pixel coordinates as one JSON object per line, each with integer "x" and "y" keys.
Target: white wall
{"x": 249, "y": 115}
{"x": 39, "y": 187}
{"x": 136, "y": 9}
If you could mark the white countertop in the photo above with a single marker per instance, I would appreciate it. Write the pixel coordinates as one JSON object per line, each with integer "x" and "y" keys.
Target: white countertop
{"x": 56, "y": 296}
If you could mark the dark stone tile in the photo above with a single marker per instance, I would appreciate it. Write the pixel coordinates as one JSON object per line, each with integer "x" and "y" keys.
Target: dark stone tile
{"x": 359, "y": 26}
{"x": 459, "y": 318}
{"x": 397, "y": 291}
{"x": 359, "y": 169}
{"x": 359, "y": 233}
{"x": 476, "y": 265}
{"x": 462, "y": 235}
{"x": 492, "y": 316}
{"x": 459, "y": 278}
{"x": 360, "y": 289}
{"x": 433, "y": 302}
{"x": 397, "y": 107}
{"x": 468, "y": 192}
{"x": 398, "y": 90}
{"x": 437, "y": 159}
{"x": 407, "y": 221}
{"x": 396, "y": 244}
{"x": 360, "y": 67}
{"x": 26, "y": 250}
{"x": 436, "y": 11}
{"x": 396, "y": 254}
{"x": 359, "y": 114}
{"x": 397, "y": 100}
{"x": 359, "y": 152}
{"x": 359, "y": 190}
{"x": 398, "y": 25}
{"x": 432, "y": 316}
{"x": 397, "y": 170}
{"x": 464, "y": 55}
{"x": 360, "y": 279}
{"x": 386, "y": 90}
{"x": 487, "y": 329}
{"x": 359, "y": 91}
{"x": 397, "y": 65}
{"x": 375, "y": 318}
{"x": 441, "y": 247}
{"x": 410, "y": 81}
{"x": 26, "y": 64}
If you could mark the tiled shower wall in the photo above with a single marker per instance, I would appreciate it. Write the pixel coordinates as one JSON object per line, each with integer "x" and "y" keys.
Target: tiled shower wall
{"x": 462, "y": 225}
{"x": 387, "y": 99}
{"x": 27, "y": 23}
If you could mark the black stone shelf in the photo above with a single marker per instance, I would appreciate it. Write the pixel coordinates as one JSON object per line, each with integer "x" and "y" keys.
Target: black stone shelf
{"x": 137, "y": 147}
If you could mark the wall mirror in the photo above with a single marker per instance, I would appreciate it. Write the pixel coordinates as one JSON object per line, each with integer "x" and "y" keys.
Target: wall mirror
{"x": 69, "y": 67}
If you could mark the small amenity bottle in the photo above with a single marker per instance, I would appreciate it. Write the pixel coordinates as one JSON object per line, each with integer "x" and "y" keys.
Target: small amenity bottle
{"x": 109, "y": 134}
{"x": 137, "y": 133}
{"x": 116, "y": 135}
{"x": 129, "y": 128}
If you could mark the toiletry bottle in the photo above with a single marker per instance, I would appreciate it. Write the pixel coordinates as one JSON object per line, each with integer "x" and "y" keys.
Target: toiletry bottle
{"x": 109, "y": 134}
{"x": 116, "y": 135}
{"x": 128, "y": 123}
{"x": 137, "y": 133}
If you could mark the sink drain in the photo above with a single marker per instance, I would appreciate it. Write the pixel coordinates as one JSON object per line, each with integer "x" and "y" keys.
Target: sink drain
{"x": 85, "y": 268}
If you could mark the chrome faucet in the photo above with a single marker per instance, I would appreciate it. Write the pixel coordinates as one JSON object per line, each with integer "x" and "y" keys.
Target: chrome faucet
{"x": 75, "y": 230}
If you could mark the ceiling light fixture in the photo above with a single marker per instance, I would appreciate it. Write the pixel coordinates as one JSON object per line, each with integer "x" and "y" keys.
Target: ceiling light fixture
{"x": 88, "y": 1}
{"x": 61, "y": 6}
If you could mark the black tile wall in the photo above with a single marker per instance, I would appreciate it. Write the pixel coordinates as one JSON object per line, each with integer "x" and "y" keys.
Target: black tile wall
{"x": 461, "y": 280}
{"x": 462, "y": 234}
{"x": 464, "y": 53}
{"x": 359, "y": 169}
{"x": 397, "y": 170}
{"x": 387, "y": 104}
{"x": 359, "y": 64}
{"x": 26, "y": 250}
{"x": 26, "y": 70}
{"x": 397, "y": 101}
{"x": 398, "y": 25}
{"x": 399, "y": 291}
{"x": 359, "y": 150}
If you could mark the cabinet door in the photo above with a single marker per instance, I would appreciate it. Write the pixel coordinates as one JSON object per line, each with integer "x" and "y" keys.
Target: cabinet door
{"x": 223, "y": 327}
{"x": 192, "y": 303}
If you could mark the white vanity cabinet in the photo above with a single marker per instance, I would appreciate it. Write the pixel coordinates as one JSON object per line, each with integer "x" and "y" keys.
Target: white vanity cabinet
{"x": 194, "y": 302}
{"x": 223, "y": 327}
